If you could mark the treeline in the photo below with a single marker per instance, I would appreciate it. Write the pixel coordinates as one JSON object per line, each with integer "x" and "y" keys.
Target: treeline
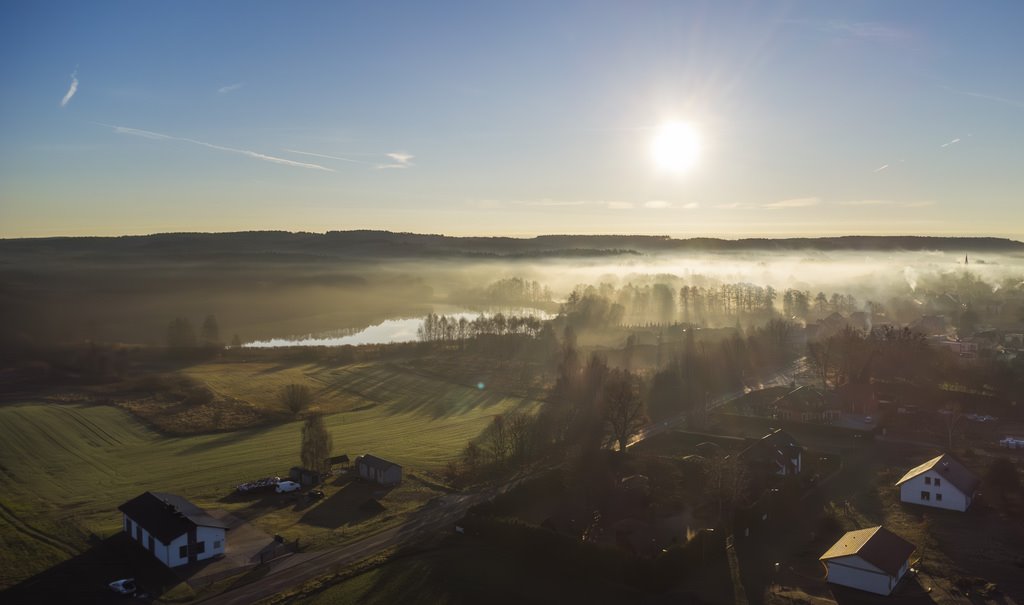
{"x": 798, "y": 304}
{"x": 701, "y": 370}
{"x": 513, "y": 291}
{"x": 703, "y": 305}
{"x": 451, "y": 328}
{"x": 590, "y": 406}
{"x": 904, "y": 356}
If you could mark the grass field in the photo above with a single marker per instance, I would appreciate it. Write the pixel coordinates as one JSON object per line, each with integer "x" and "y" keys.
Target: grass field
{"x": 64, "y": 469}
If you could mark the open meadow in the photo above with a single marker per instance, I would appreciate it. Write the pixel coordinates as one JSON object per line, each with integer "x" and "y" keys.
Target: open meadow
{"x": 66, "y": 467}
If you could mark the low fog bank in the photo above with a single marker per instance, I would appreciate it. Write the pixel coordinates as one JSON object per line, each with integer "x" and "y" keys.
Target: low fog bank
{"x": 129, "y": 289}
{"x": 865, "y": 275}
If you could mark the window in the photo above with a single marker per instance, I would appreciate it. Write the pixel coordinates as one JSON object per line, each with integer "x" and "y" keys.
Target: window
{"x": 216, "y": 544}
{"x": 938, "y": 482}
{"x": 926, "y": 496}
{"x": 200, "y": 548}
{"x": 927, "y": 480}
{"x": 938, "y": 497}
{"x": 183, "y": 552}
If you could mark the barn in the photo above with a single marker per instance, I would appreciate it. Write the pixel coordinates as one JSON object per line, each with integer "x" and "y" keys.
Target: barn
{"x": 173, "y": 529}
{"x": 872, "y": 559}
{"x": 942, "y": 482}
{"x": 378, "y": 470}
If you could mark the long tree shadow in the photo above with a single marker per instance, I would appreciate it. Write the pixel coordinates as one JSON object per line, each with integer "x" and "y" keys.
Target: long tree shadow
{"x": 84, "y": 578}
{"x": 229, "y": 438}
{"x": 352, "y": 504}
{"x": 260, "y": 503}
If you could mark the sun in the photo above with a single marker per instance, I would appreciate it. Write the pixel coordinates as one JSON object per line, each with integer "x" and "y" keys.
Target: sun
{"x": 675, "y": 147}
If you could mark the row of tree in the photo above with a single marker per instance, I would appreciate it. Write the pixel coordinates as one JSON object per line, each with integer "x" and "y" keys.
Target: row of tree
{"x": 658, "y": 303}
{"x": 447, "y": 328}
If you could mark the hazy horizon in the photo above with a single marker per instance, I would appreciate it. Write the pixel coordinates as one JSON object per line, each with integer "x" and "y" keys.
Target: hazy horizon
{"x": 781, "y": 235}
{"x": 776, "y": 119}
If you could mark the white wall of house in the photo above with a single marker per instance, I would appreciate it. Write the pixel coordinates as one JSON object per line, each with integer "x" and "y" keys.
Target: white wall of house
{"x": 857, "y": 573}
{"x": 214, "y": 543}
{"x": 214, "y": 539}
{"x": 940, "y": 492}
{"x": 174, "y": 557}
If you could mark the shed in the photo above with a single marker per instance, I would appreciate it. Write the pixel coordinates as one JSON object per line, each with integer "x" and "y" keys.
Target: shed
{"x": 872, "y": 559}
{"x": 342, "y": 460}
{"x": 378, "y": 470}
{"x": 304, "y": 476}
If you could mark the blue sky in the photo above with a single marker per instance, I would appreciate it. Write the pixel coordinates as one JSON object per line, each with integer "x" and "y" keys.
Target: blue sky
{"x": 517, "y": 118}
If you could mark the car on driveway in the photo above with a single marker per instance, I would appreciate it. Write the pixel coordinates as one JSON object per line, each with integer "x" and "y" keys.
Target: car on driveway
{"x": 284, "y": 487}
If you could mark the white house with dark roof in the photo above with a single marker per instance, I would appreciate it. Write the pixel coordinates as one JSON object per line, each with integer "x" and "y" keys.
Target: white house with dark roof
{"x": 872, "y": 559}
{"x": 378, "y": 470}
{"x": 942, "y": 482}
{"x": 176, "y": 531}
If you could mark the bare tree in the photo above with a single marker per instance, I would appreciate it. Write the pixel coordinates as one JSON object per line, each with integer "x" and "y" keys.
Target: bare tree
{"x": 496, "y": 439}
{"x": 624, "y": 413}
{"x": 295, "y": 397}
{"x": 316, "y": 443}
{"x": 950, "y": 424}
{"x": 520, "y": 433}
{"x": 823, "y": 359}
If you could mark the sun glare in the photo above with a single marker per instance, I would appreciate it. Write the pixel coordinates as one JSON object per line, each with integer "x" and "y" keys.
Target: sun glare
{"x": 675, "y": 147}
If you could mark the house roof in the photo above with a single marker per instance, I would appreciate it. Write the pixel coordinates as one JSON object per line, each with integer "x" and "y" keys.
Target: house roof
{"x": 375, "y": 462}
{"x": 950, "y": 469}
{"x": 778, "y": 446}
{"x": 167, "y": 516}
{"x": 876, "y": 545}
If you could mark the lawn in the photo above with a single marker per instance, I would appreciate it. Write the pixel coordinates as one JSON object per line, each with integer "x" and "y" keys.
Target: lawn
{"x": 66, "y": 468}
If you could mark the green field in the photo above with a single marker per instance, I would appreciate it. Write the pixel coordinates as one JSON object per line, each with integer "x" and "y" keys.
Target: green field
{"x": 64, "y": 469}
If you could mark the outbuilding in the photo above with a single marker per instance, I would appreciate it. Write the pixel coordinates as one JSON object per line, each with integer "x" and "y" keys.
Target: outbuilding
{"x": 872, "y": 559}
{"x": 378, "y": 470}
{"x": 942, "y": 482}
{"x": 173, "y": 529}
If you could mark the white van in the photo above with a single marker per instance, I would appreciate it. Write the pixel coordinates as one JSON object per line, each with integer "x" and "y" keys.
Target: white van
{"x": 284, "y": 487}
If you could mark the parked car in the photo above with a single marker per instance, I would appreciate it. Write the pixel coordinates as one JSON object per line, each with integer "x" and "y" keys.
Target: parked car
{"x": 285, "y": 487}
{"x": 126, "y": 586}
